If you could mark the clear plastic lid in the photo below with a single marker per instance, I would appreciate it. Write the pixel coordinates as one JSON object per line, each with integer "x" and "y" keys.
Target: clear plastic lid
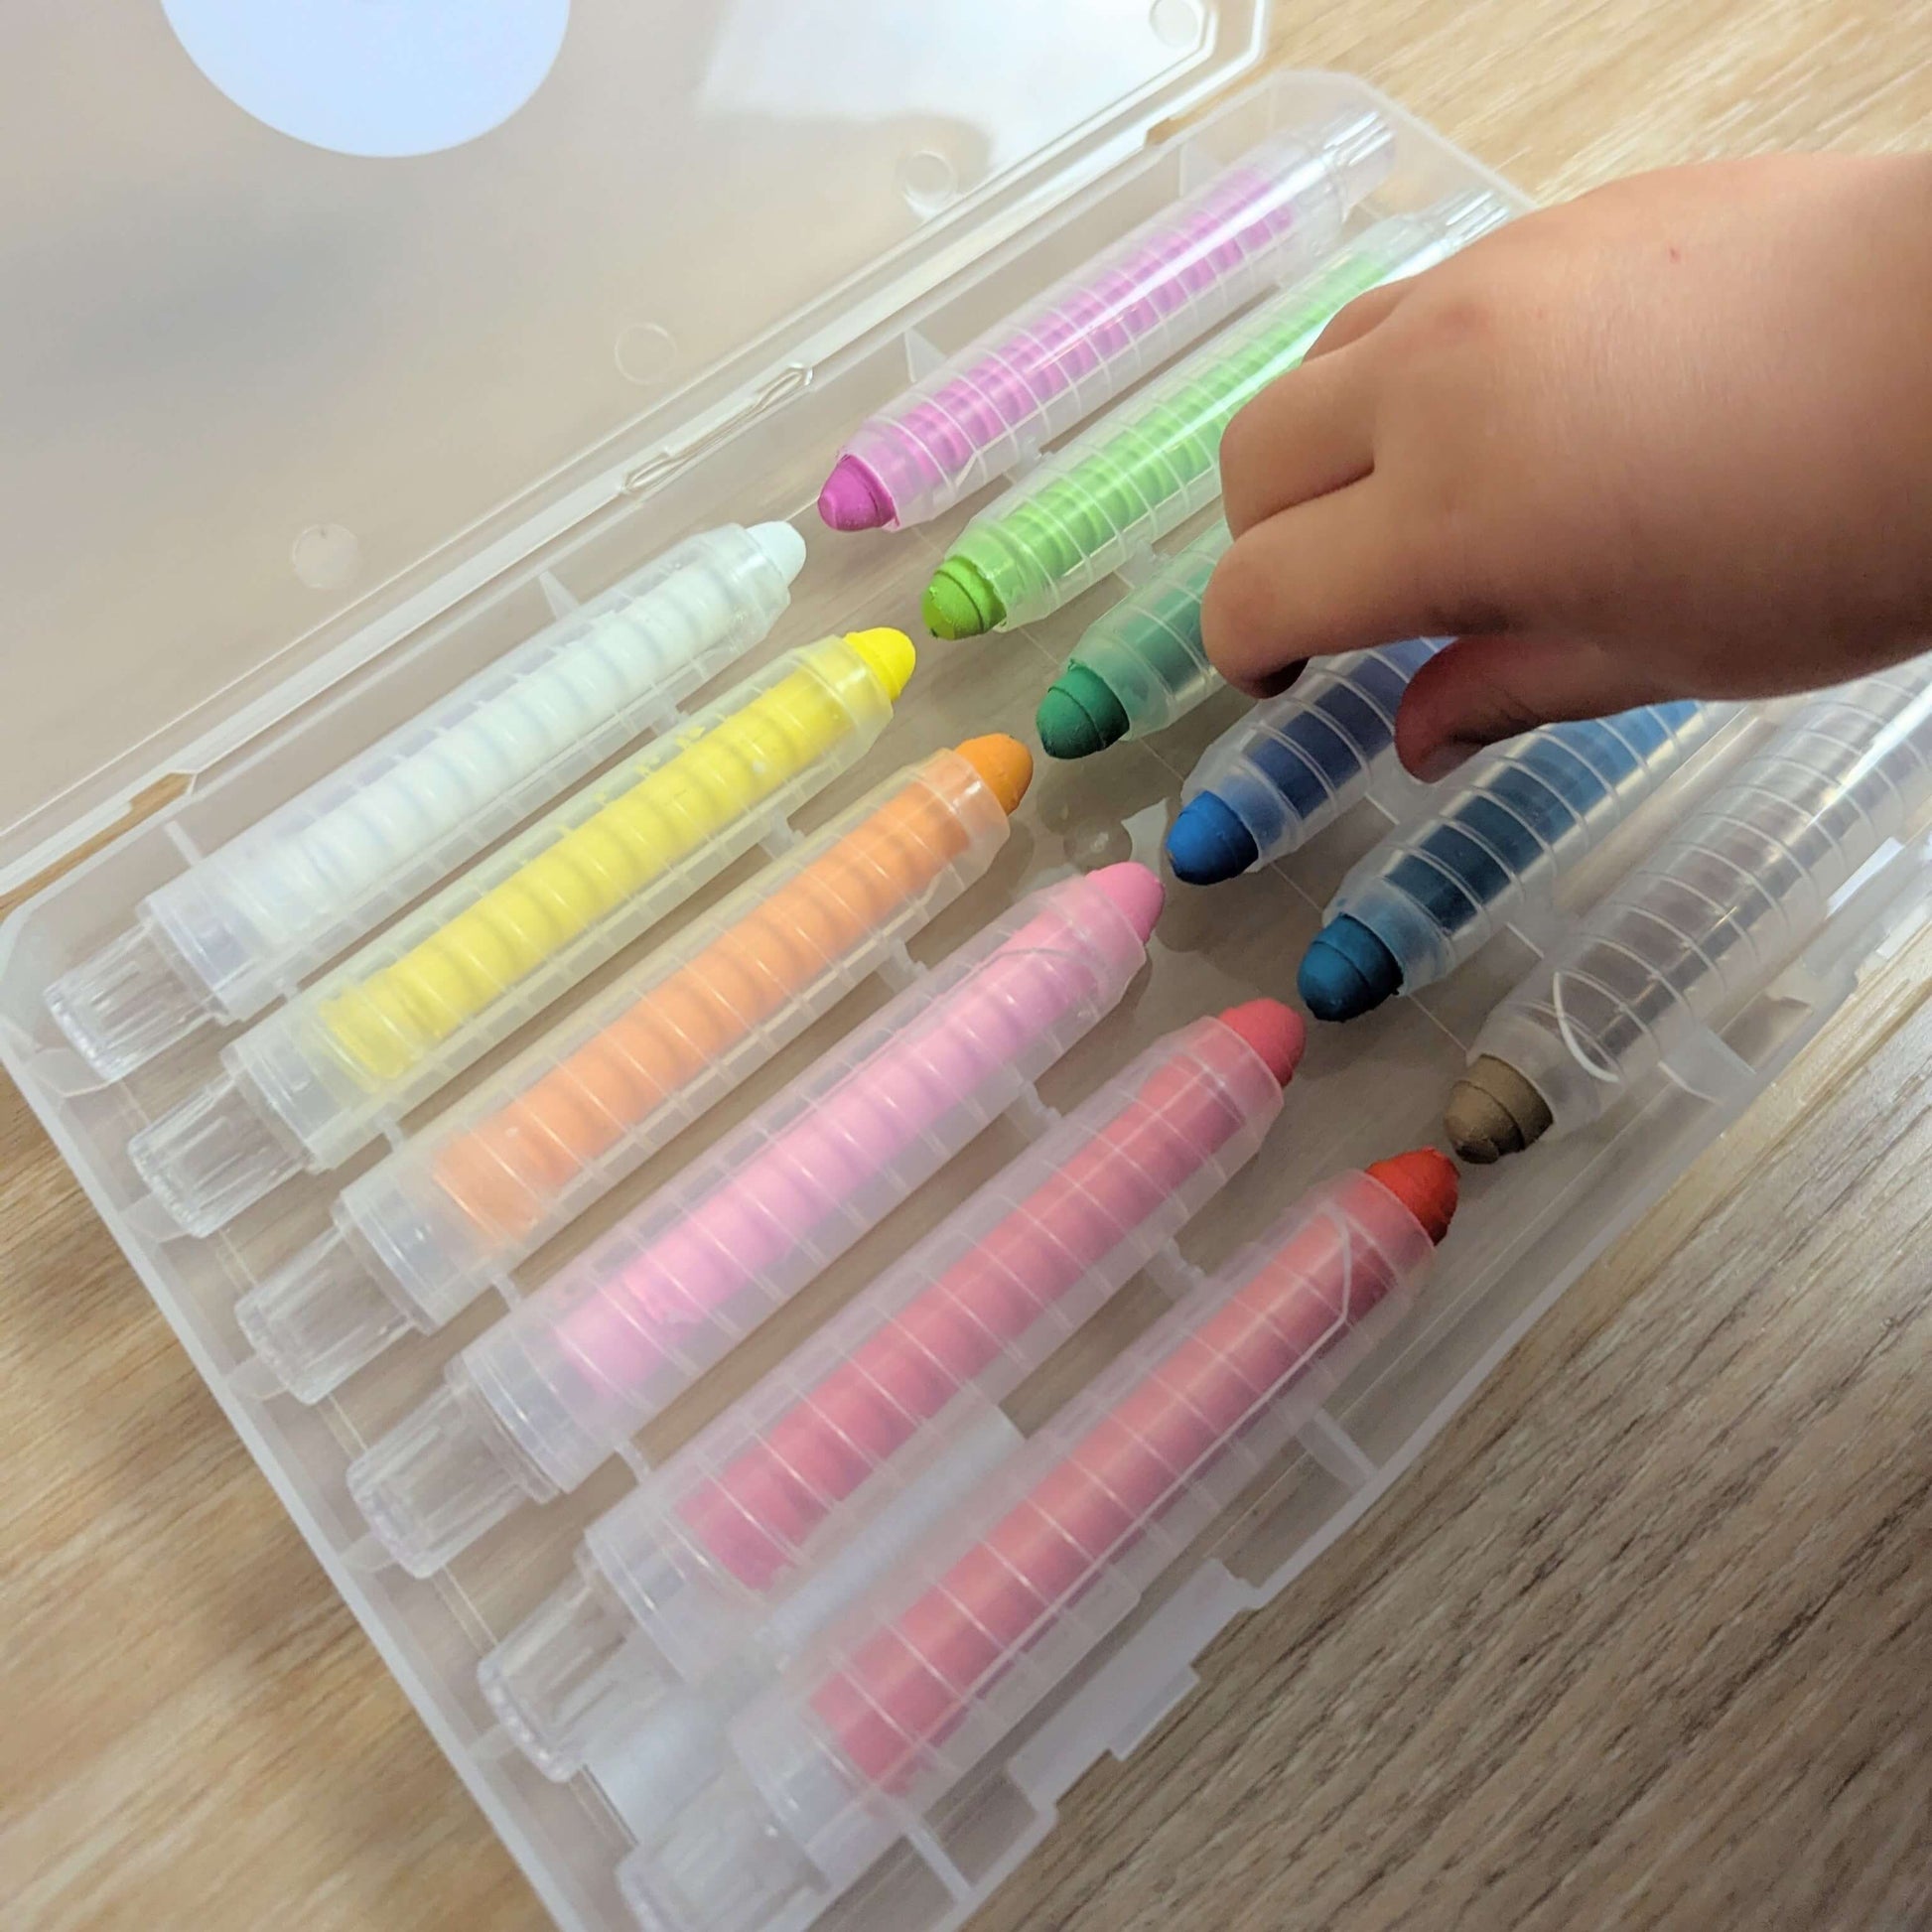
{"x": 297, "y": 301}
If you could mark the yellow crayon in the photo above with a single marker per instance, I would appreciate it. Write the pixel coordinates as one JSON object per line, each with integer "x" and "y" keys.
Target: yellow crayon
{"x": 726, "y": 769}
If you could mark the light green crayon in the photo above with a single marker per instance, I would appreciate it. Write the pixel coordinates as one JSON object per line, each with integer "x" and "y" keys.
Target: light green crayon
{"x": 1146, "y": 468}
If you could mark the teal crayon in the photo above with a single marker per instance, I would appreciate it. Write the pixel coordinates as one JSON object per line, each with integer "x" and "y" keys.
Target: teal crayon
{"x": 1437, "y": 890}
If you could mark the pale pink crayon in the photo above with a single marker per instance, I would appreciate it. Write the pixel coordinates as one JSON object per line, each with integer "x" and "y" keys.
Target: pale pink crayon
{"x": 691, "y": 1277}
{"x": 538, "y": 1402}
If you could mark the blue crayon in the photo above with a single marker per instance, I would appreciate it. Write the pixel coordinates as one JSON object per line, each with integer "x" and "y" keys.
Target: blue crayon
{"x": 1294, "y": 765}
{"x": 1435, "y": 891}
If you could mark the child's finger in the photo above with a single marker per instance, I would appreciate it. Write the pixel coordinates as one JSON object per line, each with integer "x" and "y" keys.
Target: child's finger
{"x": 1335, "y": 574}
{"x": 1481, "y": 690}
{"x": 1351, "y": 324}
{"x": 1306, "y": 434}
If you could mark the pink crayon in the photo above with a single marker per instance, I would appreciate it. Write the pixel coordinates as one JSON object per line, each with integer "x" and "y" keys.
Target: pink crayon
{"x": 906, "y": 1691}
{"x": 1271, "y": 217}
{"x": 690, "y": 1278}
{"x": 541, "y": 1400}
{"x": 823, "y": 1472}
{"x": 1202, "y": 1087}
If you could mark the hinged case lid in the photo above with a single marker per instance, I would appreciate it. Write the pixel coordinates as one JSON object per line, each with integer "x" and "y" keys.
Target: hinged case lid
{"x": 260, "y": 391}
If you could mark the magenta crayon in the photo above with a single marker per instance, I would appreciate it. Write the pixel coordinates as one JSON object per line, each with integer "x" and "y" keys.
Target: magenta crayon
{"x": 1268, "y": 218}
{"x": 535, "y": 1404}
{"x": 799, "y": 1491}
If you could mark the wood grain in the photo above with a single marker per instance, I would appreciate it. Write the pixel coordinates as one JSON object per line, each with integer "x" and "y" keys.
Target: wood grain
{"x": 1645, "y": 1639}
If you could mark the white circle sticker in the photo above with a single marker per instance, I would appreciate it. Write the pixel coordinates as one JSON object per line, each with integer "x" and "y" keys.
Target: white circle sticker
{"x": 376, "y": 77}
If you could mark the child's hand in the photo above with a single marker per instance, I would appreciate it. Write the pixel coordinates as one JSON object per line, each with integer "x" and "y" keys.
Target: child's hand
{"x": 1671, "y": 440}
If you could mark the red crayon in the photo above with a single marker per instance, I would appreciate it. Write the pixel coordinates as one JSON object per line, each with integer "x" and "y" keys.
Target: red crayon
{"x": 1131, "y": 1458}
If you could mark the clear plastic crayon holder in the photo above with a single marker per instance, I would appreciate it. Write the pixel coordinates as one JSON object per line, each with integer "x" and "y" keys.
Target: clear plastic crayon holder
{"x": 681, "y": 360}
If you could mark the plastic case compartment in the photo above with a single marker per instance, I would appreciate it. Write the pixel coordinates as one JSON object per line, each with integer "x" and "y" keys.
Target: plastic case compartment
{"x": 748, "y": 441}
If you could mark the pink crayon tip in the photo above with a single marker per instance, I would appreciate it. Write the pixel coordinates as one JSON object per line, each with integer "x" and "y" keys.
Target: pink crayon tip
{"x": 854, "y": 499}
{"x": 1137, "y": 891}
{"x": 1275, "y": 1031}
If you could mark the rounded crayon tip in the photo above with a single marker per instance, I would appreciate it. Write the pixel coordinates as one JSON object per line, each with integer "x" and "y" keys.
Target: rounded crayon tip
{"x": 1346, "y": 971}
{"x": 1005, "y": 765}
{"x": 1207, "y": 844}
{"x": 1079, "y": 715}
{"x": 853, "y": 499}
{"x": 783, "y": 547}
{"x": 959, "y": 601}
{"x": 1493, "y": 1111}
{"x": 1275, "y": 1031}
{"x": 1137, "y": 891}
{"x": 1425, "y": 1183}
{"x": 889, "y": 653}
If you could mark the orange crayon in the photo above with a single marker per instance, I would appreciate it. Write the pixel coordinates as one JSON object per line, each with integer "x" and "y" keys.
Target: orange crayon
{"x": 506, "y": 1173}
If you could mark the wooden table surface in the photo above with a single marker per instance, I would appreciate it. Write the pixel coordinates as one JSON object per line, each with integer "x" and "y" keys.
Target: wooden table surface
{"x": 1645, "y": 1639}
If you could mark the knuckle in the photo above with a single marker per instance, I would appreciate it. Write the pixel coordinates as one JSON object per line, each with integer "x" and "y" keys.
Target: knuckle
{"x": 1459, "y": 347}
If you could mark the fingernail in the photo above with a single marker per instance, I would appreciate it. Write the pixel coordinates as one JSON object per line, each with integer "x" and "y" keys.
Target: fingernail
{"x": 1449, "y": 756}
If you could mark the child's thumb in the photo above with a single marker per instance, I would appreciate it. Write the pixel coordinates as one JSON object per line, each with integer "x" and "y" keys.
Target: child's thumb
{"x": 1481, "y": 690}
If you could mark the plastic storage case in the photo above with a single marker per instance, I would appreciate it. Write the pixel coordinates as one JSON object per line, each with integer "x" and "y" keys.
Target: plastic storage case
{"x": 522, "y": 1156}
{"x": 538, "y": 1402}
{"x": 744, "y": 1514}
{"x": 655, "y": 300}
